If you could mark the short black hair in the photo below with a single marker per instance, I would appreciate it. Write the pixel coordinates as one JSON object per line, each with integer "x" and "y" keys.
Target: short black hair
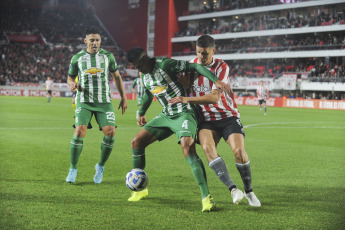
{"x": 134, "y": 54}
{"x": 206, "y": 41}
{"x": 92, "y": 30}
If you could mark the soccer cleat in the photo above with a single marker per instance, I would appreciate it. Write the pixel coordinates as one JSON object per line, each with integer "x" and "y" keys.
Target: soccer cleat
{"x": 208, "y": 203}
{"x": 99, "y": 174}
{"x": 252, "y": 199}
{"x": 72, "y": 175}
{"x": 237, "y": 195}
{"x": 136, "y": 196}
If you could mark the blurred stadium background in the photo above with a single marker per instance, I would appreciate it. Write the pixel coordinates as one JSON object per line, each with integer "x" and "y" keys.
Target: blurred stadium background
{"x": 296, "y": 47}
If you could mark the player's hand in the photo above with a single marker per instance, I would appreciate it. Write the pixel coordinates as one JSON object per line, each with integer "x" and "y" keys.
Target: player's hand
{"x": 178, "y": 99}
{"x": 123, "y": 105}
{"x": 73, "y": 86}
{"x": 184, "y": 79}
{"x": 222, "y": 87}
{"x": 141, "y": 121}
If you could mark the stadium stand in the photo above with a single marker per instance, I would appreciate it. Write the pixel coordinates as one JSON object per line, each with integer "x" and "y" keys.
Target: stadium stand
{"x": 36, "y": 43}
{"x": 304, "y": 38}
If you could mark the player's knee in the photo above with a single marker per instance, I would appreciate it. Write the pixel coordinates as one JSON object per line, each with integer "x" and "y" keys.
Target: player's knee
{"x": 110, "y": 132}
{"x": 240, "y": 155}
{"x": 80, "y": 131}
{"x": 137, "y": 143}
{"x": 209, "y": 151}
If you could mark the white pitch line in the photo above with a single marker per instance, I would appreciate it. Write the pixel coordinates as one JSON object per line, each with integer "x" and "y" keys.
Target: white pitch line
{"x": 292, "y": 122}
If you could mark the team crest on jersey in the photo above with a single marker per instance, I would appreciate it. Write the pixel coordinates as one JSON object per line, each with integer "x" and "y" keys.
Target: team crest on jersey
{"x": 101, "y": 59}
{"x": 159, "y": 90}
{"x": 94, "y": 71}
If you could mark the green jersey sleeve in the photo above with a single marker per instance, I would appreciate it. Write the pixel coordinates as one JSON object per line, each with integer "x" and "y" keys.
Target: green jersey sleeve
{"x": 203, "y": 71}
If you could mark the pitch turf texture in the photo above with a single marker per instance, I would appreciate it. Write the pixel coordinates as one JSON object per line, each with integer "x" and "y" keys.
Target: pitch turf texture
{"x": 297, "y": 161}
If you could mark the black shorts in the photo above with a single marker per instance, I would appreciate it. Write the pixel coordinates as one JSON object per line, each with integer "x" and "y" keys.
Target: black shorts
{"x": 225, "y": 127}
{"x": 49, "y": 91}
{"x": 262, "y": 101}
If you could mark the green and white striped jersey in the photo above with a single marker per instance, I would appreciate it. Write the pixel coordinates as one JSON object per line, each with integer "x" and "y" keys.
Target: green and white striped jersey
{"x": 140, "y": 86}
{"x": 93, "y": 75}
{"x": 163, "y": 84}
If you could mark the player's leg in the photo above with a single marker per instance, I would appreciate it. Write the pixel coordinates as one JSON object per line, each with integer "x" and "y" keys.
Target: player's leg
{"x": 185, "y": 129}
{"x": 208, "y": 139}
{"x": 260, "y": 105}
{"x": 146, "y": 136}
{"x": 236, "y": 141}
{"x": 105, "y": 118}
{"x": 265, "y": 108}
{"x": 82, "y": 115}
{"x": 49, "y": 94}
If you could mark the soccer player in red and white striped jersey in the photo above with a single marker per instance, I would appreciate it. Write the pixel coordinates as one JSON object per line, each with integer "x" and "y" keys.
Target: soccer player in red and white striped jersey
{"x": 221, "y": 118}
{"x": 262, "y": 92}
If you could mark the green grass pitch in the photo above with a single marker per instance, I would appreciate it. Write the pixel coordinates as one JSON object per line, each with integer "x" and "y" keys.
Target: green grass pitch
{"x": 297, "y": 159}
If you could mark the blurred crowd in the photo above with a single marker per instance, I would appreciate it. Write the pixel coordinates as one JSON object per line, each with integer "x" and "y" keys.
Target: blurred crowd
{"x": 320, "y": 41}
{"x": 22, "y": 62}
{"x": 315, "y": 70}
{"x": 257, "y": 22}
{"x": 208, "y": 6}
{"x": 51, "y": 23}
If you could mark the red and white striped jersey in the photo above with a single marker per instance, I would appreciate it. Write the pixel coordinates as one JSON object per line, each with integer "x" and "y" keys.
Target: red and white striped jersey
{"x": 262, "y": 92}
{"x": 226, "y": 106}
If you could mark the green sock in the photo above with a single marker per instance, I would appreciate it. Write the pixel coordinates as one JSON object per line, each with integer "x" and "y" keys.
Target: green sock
{"x": 199, "y": 173}
{"x": 138, "y": 158}
{"x": 106, "y": 148}
{"x": 75, "y": 148}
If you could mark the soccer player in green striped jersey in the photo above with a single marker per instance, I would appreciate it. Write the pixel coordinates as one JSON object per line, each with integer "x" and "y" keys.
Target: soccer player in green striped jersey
{"x": 140, "y": 91}
{"x": 160, "y": 78}
{"x": 93, "y": 67}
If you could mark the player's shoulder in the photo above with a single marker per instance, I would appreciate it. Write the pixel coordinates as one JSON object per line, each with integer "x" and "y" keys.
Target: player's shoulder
{"x": 195, "y": 60}
{"x": 220, "y": 62}
{"x": 78, "y": 55}
{"x": 104, "y": 52}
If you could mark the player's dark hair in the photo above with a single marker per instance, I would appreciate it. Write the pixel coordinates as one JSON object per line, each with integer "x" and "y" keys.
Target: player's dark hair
{"x": 206, "y": 41}
{"x": 92, "y": 30}
{"x": 134, "y": 54}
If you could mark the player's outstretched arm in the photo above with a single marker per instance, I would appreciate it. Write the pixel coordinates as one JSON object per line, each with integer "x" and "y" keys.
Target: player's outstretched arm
{"x": 119, "y": 85}
{"x": 211, "y": 98}
{"x": 221, "y": 86}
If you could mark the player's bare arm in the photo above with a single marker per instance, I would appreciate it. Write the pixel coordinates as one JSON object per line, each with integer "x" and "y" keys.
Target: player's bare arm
{"x": 72, "y": 84}
{"x": 211, "y": 98}
{"x": 119, "y": 85}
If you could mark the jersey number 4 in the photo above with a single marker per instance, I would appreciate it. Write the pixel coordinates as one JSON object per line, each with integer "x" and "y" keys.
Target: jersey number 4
{"x": 185, "y": 124}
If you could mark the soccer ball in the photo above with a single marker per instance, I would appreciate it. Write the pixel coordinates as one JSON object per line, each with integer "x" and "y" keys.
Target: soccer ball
{"x": 136, "y": 179}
